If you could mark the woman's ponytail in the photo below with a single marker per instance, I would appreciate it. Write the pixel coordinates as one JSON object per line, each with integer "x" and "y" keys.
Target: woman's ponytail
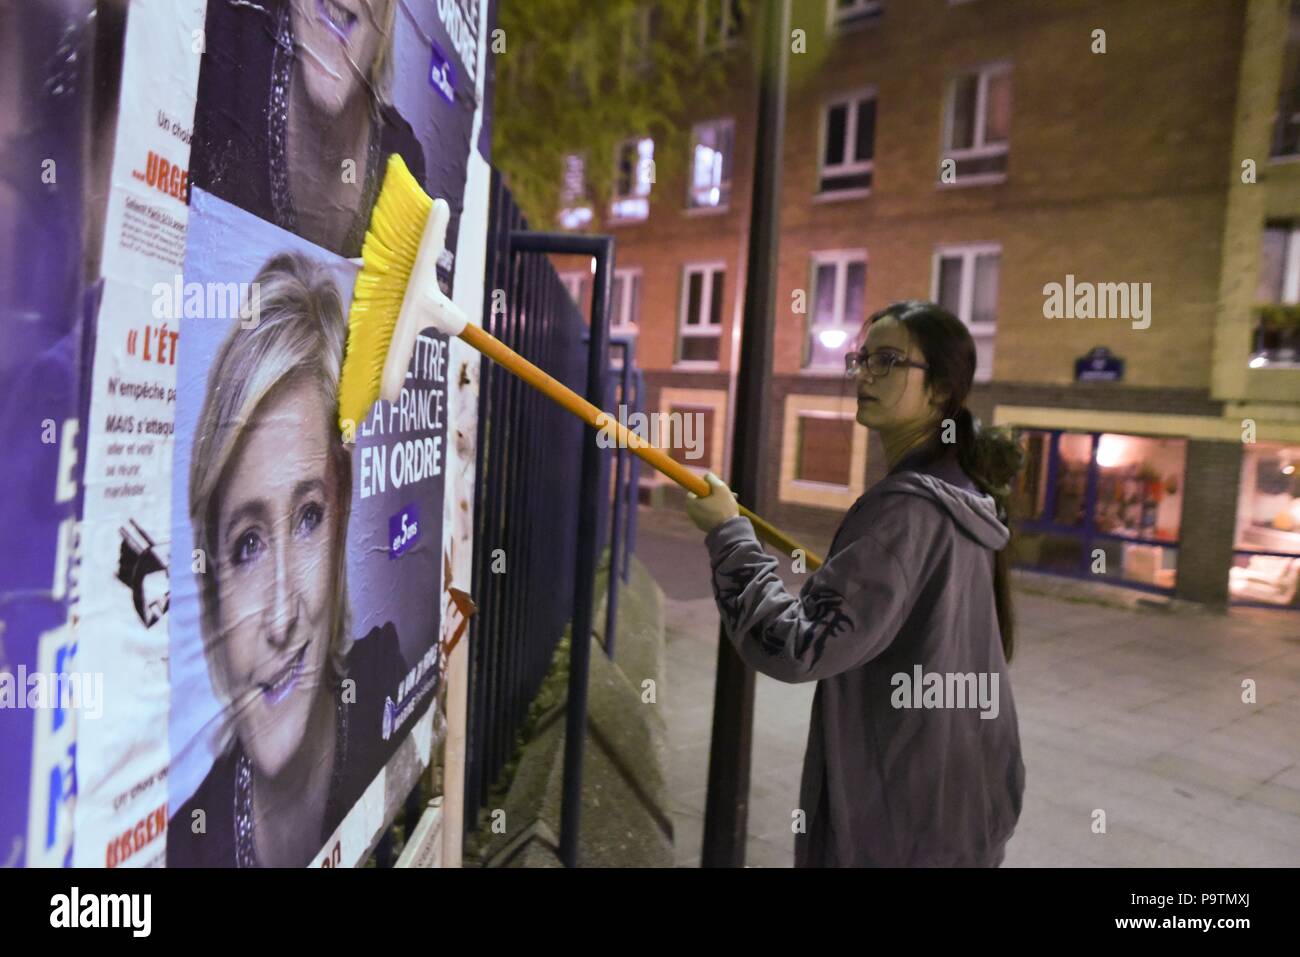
{"x": 992, "y": 457}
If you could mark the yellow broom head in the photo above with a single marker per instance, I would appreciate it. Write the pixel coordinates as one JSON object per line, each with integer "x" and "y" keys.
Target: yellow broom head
{"x": 388, "y": 259}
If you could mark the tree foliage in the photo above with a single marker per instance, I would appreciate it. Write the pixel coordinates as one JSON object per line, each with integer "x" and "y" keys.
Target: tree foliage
{"x": 578, "y": 76}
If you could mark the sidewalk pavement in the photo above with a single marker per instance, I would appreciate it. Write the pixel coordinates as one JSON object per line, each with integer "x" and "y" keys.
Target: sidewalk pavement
{"x": 1136, "y": 713}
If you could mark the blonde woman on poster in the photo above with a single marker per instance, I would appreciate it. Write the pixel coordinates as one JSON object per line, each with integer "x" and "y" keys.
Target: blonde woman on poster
{"x": 270, "y": 486}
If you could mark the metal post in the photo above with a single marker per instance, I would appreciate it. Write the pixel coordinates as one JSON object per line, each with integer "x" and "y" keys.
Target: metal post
{"x": 726, "y": 811}
{"x": 631, "y": 494}
{"x": 601, "y": 248}
{"x": 621, "y": 455}
{"x": 1090, "y": 505}
{"x": 638, "y": 387}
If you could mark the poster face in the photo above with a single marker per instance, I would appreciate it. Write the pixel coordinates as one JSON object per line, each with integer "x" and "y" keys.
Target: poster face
{"x": 304, "y": 635}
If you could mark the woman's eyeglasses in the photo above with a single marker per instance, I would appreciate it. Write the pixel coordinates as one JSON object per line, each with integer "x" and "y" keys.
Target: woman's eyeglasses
{"x": 877, "y": 363}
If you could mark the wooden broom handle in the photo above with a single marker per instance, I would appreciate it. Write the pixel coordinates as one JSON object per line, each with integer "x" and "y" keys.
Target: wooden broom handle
{"x": 557, "y": 391}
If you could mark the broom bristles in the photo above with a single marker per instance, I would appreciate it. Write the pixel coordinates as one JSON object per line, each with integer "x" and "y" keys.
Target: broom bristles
{"x": 388, "y": 259}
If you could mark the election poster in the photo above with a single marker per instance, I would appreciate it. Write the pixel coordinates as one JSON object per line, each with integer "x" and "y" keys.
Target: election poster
{"x": 304, "y": 625}
{"x": 307, "y": 620}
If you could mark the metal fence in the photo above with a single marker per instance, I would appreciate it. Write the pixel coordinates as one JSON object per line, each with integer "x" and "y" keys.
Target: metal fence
{"x": 616, "y": 519}
{"x": 540, "y": 516}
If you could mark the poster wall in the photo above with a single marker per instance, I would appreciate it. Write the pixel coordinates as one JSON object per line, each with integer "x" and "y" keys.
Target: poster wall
{"x": 265, "y": 604}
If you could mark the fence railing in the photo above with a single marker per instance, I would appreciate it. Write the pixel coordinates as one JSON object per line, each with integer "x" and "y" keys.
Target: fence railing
{"x": 625, "y": 391}
{"x": 543, "y": 507}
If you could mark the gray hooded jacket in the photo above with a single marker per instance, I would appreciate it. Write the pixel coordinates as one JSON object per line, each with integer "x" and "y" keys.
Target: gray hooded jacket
{"x": 913, "y": 752}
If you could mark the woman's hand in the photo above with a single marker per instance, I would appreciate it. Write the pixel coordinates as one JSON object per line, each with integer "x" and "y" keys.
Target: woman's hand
{"x": 713, "y": 509}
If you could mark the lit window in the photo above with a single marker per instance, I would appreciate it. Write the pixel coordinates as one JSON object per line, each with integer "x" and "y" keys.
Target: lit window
{"x": 848, "y": 144}
{"x": 836, "y": 314}
{"x": 1266, "y": 566}
{"x": 575, "y": 211}
{"x": 634, "y": 175}
{"x": 966, "y": 284}
{"x": 978, "y": 126}
{"x": 1107, "y": 505}
{"x": 700, "y": 328}
{"x": 1277, "y": 299}
{"x": 712, "y": 146}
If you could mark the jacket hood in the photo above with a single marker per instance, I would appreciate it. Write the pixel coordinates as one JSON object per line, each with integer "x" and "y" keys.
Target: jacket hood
{"x": 975, "y": 513}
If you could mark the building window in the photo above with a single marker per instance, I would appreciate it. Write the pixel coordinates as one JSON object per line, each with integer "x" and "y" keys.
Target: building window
{"x": 634, "y": 175}
{"x": 575, "y": 210}
{"x": 722, "y": 23}
{"x": 966, "y": 284}
{"x": 823, "y": 453}
{"x": 978, "y": 124}
{"x": 712, "y": 147}
{"x": 825, "y": 449}
{"x": 700, "y": 328}
{"x": 687, "y": 430}
{"x": 1279, "y": 265}
{"x": 689, "y": 427}
{"x": 839, "y": 286}
{"x": 848, "y": 143}
{"x": 1266, "y": 561}
{"x": 845, "y": 13}
{"x": 1286, "y": 126}
{"x": 1102, "y": 505}
{"x": 624, "y": 310}
{"x": 1277, "y": 296}
{"x": 625, "y": 301}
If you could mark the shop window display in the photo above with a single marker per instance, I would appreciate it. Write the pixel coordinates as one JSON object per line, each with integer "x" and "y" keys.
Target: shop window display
{"x": 1101, "y": 505}
{"x": 1266, "y": 562}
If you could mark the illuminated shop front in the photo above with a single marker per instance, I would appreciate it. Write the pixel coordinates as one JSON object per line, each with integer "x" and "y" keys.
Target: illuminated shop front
{"x": 1101, "y": 505}
{"x": 1266, "y": 548}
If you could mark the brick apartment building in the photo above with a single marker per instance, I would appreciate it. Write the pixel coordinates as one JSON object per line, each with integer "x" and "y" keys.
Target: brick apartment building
{"x": 974, "y": 152}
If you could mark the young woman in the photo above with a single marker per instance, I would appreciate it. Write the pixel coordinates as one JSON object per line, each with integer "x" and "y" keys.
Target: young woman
{"x": 270, "y": 490}
{"x": 914, "y": 750}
